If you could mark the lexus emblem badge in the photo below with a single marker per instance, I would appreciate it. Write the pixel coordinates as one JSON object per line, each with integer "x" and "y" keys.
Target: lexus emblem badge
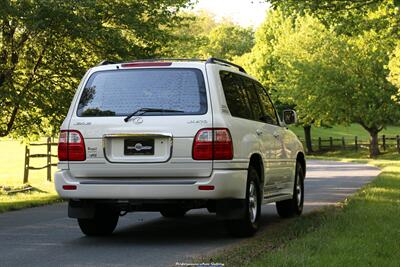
{"x": 137, "y": 120}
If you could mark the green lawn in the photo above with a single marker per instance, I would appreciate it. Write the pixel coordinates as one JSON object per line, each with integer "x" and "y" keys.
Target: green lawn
{"x": 344, "y": 131}
{"x": 362, "y": 231}
{"x": 11, "y": 175}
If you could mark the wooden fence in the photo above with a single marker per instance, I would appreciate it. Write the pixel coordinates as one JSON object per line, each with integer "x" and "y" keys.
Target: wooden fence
{"x": 47, "y": 155}
{"x": 356, "y": 143}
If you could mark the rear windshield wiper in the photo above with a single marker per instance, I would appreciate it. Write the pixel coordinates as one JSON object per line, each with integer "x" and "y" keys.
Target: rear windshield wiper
{"x": 141, "y": 111}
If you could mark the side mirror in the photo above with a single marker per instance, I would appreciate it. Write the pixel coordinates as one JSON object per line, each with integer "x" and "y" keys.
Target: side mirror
{"x": 289, "y": 116}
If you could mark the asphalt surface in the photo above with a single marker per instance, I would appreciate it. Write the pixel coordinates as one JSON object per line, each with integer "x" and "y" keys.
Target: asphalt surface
{"x": 44, "y": 236}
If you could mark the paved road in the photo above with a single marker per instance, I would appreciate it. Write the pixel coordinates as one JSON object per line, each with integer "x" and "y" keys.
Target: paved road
{"x": 44, "y": 236}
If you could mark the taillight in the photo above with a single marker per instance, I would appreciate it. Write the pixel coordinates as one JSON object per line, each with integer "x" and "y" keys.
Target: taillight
{"x": 71, "y": 146}
{"x": 62, "y": 146}
{"x": 213, "y": 144}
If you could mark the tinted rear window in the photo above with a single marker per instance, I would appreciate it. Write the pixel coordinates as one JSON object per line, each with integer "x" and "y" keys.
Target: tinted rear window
{"x": 121, "y": 92}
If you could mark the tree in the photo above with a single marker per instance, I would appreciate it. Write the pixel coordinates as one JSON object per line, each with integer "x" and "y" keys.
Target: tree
{"x": 228, "y": 40}
{"x": 45, "y": 47}
{"x": 268, "y": 66}
{"x": 328, "y": 77}
{"x": 201, "y": 36}
{"x": 191, "y": 35}
{"x": 343, "y": 79}
{"x": 350, "y": 17}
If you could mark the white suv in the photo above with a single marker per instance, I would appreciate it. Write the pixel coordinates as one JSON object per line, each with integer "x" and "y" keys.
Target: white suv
{"x": 174, "y": 135}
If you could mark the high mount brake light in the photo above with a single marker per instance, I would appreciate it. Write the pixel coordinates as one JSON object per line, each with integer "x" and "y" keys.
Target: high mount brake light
{"x": 213, "y": 144}
{"x": 71, "y": 146}
{"x": 146, "y": 64}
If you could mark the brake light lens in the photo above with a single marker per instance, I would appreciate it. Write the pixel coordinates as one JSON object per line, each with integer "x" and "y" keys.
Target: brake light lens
{"x": 145, "y": 64}
{"x": 71, "y": 146}
{"x": 213, "y": 144}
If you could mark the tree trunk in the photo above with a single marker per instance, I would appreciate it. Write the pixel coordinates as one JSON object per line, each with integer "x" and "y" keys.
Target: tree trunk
{"x": 373, "y": 138}
{"x": 374, "y": 145}
{"x": 307, "y": 135}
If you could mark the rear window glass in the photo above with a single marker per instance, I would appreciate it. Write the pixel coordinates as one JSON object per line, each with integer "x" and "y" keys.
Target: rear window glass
{"x": 122, "y": 92}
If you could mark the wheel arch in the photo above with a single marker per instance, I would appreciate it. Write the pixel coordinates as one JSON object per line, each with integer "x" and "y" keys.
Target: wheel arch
{"x": 302, "y": 160}
{"x": 256, "y": 161}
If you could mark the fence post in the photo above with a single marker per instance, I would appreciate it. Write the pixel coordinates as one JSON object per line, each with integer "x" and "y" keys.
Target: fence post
{"x": 384, "y": 142}
{"x": 319, "y": 143}
{"x": 331, "y": 142}
{"x": 26, "y": 166}
{"x": 49, "y": 159}
{"x": 343, "y": 143}
{"x": 398, "y": 144}
{"x": 355, "y": 142}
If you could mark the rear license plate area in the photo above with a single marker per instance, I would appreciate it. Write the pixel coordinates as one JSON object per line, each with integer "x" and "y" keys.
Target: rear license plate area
{"x": 138, "y": 147}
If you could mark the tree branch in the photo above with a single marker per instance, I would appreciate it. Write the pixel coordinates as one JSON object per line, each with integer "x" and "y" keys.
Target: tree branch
{"x": 23, "y": 93}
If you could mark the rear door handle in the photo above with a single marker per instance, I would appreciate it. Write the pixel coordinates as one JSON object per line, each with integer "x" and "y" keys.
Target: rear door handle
{"x": 259, "y": 132}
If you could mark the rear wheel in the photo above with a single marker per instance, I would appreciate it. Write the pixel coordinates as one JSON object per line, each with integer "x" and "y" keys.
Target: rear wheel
{"x": 249, "y": 223}
{"x": 293, "y": 207}
{"x": 103, "y": 223}
{"x": 173, "y": 212}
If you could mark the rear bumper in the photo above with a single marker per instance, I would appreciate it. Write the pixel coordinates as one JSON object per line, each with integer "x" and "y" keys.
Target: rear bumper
{"x": 227, "y": 184}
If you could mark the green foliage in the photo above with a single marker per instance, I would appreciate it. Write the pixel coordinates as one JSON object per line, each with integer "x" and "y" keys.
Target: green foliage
{"x": 46, "y": 46}
{"x": 350, "y": 17}
{"x": 190, "y": 36}
{"x": 261, "y": 61}
{"x": 201, "y": 36}
{"x": 328, "y": 77}
{"x": 228, "y": 40}
{"x": 394, "y": 66}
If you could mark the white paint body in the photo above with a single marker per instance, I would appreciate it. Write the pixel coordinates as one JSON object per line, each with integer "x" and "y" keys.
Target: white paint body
{"x": 172, "y": 173}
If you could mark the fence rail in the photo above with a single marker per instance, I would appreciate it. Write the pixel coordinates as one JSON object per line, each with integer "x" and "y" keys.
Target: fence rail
{"x": 48, "y": 157}
{"x": 354, "y": 143}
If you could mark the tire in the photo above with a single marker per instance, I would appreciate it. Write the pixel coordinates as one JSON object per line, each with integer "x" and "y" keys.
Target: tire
{"x": 293, "y": 207}
{"x": 249, "y": 223}
{"x": 173, "y": 212}
{"x": 104, "y": 223}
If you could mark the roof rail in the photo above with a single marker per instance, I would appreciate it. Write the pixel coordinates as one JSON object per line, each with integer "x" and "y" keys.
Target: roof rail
{"x": 106, "y": 62}
{"x": 214, "y": 60}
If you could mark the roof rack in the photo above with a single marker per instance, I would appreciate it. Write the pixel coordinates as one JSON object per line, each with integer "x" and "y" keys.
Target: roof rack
{"x": 166, "y": 59}
{"x": 214, "y": 60}
{"x": 211, "y": 60}
{"x": 106, "y": 62}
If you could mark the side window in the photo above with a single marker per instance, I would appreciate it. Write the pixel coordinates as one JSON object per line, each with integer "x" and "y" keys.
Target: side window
{"x": 235, "y": 95}
{"x": 268, "y": 107}
{"x": 253, "y": 99}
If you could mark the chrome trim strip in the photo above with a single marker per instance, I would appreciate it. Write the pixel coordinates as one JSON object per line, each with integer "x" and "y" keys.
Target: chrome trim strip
{"x": 142, "y": 134}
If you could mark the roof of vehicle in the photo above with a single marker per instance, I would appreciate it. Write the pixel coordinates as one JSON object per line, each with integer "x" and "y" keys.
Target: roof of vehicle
{"x": 168, "y": 62}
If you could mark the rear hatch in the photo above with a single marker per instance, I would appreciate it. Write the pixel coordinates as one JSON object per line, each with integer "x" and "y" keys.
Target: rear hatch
{"x": 141, "y": 122}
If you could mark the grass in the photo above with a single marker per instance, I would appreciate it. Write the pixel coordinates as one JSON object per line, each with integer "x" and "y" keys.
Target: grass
{"x": 344, "y": 131}
{"x": 11, "y": 175}
{"x": 363, "y": 230}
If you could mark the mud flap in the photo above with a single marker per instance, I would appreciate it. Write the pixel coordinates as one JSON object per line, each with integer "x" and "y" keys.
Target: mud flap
{"x": 231, "y": 209}
{"x": 81, "y": 209}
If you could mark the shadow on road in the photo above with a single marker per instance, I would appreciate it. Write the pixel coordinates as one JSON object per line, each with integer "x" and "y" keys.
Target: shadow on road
{"x": 196, "y": 228}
